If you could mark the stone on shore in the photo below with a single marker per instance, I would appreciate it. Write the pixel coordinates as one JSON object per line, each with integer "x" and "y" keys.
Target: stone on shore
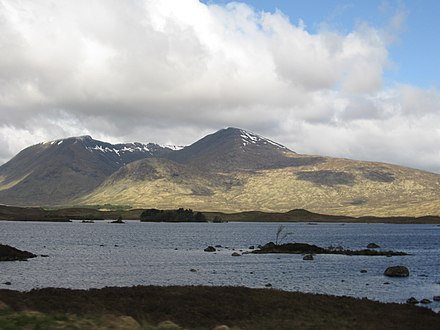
{"x": 412, "y": 300}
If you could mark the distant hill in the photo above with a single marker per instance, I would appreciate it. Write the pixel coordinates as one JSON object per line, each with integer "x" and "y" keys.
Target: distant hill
{"x": 231, "y": 170}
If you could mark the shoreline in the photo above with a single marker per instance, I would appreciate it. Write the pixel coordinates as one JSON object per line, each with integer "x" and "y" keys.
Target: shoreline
{"x": 12, "y": 213}
{"x": 205, "y": 307}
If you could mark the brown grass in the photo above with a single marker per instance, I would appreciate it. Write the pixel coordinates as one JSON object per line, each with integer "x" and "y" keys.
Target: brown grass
{"x": 206, "y": 307}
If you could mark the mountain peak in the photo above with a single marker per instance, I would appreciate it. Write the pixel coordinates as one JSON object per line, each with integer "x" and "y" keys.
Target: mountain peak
{"x": 233, "y": 148}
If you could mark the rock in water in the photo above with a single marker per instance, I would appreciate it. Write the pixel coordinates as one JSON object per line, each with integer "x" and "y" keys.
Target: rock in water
{"x": 210, "y": 249}
{"x": 412, "y": 300}
{"x": 397, "y": 271}
{"x": 308, "y": 257}
{"x": 373, "y": 246}
{"x": 236, "y": 254}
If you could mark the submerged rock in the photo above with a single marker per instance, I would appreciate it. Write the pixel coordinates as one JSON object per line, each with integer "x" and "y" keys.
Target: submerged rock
{"x": 425, "y": 301}
{"x": 397, "y": 271}
{"x": 308, "y": 257}
{"x": 236, "y": 254}
{"x": 436, "y": 298}
{"x": 9, "y": 253}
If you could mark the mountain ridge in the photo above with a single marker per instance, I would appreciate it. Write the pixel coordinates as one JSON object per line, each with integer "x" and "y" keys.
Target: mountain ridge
{"x": 231, "y": 170}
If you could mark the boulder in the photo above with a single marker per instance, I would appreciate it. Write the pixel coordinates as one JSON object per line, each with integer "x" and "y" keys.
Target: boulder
{"x": 308, "y": 257}
{"x": 251, "y": 247}
{"x": 363, "y": 271}
{"x": 425, "y": 301}
{"x": 268, "y": 285}
{"x": 210, "y": 249}
{"x": 168, "y": 325}
{"x": 372, "y": 246}
{"x": 236, "y": 254}
{"x": 436, "y": 298}
{"x": 397, "y": 271}
{"x": 412, "y": 300}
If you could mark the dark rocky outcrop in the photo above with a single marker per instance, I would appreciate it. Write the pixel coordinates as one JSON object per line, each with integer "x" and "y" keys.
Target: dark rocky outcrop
{"x": 9, "y": 253}
{"x": 397, "y": 271}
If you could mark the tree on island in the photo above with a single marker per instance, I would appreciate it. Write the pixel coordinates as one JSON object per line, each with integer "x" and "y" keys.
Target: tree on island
{"x": 179, "y": 215}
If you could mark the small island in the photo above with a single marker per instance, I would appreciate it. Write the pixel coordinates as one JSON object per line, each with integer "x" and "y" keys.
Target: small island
{"x": 9, "y": 253}
{"x": 179, "y": 215}
{"x": 303, "y": 248}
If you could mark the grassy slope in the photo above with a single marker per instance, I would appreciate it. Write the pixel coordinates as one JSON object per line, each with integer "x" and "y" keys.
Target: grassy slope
{"x": 409, "y": 193}
{"x": 206, "y": 307}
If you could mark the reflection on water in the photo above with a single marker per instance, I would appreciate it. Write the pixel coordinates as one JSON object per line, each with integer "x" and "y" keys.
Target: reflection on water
{"x": 103, "y": 254}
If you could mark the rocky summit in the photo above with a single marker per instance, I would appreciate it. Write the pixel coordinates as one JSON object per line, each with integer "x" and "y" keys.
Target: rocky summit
{"x": 231, "y": 170}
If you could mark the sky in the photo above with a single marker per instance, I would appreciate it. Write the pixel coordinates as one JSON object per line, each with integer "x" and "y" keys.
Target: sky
{"x": 354, "y": 79}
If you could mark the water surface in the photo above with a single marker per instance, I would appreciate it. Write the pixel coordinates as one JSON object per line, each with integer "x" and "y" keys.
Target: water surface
{"x": 103, "y": 254}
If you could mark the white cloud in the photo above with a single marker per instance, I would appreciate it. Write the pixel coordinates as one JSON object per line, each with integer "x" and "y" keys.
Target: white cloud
{"x": 170, "y": 71}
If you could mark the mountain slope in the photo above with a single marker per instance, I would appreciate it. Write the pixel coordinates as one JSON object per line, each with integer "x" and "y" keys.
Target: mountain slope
{"x": 336, "y": 186}
{"x": 220, "y": 166}
{"x": 56, "y": 172}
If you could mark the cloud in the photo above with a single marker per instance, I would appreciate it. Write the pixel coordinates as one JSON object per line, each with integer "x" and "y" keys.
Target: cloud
{"x": 171, "y": 71}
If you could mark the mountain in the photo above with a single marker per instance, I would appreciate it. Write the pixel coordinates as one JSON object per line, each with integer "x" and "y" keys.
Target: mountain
{"x": 231, "y": 170}
{"x": 233, "y": 149}
{"x": 57, "y": 172}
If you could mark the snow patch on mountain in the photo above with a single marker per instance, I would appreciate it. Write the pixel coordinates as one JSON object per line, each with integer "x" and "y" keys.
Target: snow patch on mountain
{"x": 172, "y": 146}
{"x": 121, "y": 149}
{"x": 248, "y": 138}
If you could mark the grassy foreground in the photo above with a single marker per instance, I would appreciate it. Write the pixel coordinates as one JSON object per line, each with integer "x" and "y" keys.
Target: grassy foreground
{"x": 145, "y": 307}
